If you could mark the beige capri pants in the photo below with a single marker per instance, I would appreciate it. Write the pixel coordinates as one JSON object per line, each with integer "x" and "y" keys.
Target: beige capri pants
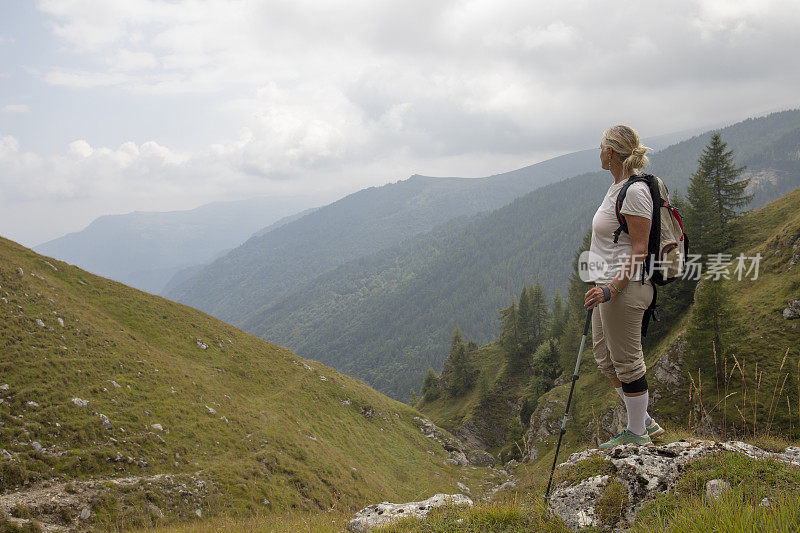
{"x": 617, "y": 332}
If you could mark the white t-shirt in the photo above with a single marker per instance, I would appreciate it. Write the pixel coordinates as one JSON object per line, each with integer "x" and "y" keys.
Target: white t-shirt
{"x": 637, "y": 202}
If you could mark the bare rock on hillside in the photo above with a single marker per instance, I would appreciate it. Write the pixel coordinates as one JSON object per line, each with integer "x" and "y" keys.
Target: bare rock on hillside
{"x": 66, "y": 505}
{"x": 545, "y": 421}
{"x": 667, "y": 369}
{"x": 80, "y": 402}
{"x": 457, "y": 459}
{"x": 105, "y": 421}
{"x": 380, "y": 514}
{"x": 792, "y": 311}
{"x": 644, "y": 472}
{"x": 610, "y": 423}
{"x": 460, "y": 454}
{"x": 470, "y": 435}
{"x": 430, "y": 430}
{"x": 480, "y": 458}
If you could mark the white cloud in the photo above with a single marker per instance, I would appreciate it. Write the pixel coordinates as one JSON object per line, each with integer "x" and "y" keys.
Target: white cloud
{"x": 15, "y": 108}
{"x": 355, "y": 93}
{"x": 126, "y": 60}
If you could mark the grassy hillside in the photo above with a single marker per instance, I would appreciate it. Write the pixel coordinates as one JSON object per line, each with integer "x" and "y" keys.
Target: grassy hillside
{"x": 387, "y": 317}
{"x": 185, "y": 414}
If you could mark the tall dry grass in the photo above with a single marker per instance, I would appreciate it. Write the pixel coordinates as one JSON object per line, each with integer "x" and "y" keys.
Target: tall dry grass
{"x": 752, "y": 383}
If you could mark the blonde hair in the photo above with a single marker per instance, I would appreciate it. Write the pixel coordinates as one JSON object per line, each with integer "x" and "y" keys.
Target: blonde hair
{"x": 624, "y": 141}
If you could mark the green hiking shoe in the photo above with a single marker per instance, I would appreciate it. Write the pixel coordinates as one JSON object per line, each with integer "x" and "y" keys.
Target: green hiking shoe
{"x": 626, "y": 437}
{"x": 654, "y": 430}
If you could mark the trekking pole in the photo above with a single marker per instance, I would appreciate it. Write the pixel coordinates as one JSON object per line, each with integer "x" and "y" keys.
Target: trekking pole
{"x": 569, "y": 400}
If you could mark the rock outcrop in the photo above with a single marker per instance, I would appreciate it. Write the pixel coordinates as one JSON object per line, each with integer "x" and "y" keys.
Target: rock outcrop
{"x": 638, "y": 473}
{"x": 792, "y": 310}
{"x": 459, "y": 453}
{"x": 380, "y": 514}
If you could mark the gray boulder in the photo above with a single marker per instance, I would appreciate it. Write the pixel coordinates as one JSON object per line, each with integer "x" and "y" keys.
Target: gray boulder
{"x": 643, "y": 472}
{"x": 380, "y": 514}
{"x": 716, "y": 488}
{"x": 792, "y": 311}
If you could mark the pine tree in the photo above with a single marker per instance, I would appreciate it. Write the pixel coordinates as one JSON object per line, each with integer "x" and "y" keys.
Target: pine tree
{"x": 509, "y": 334}
{"x": 483, "y": 391}
{"x": 575, "y": 312}
{"x": 558, "y": 312}
{"x": 430, "y": 386}
{"x": 462, "y": 374}
{"x": 525, "y": 326}
{"x": 714, "y": 325}
{"x": 413, "y": 398}
{"x": 540, "y": 318}
{"x": 715, "y": 193}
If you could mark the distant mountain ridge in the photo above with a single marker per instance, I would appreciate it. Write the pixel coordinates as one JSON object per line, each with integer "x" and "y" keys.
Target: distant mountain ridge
{"x": 266, "y": 266}
{"x": 145, "y": 249}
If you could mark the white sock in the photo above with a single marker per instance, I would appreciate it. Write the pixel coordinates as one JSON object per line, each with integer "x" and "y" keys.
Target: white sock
{"x": 647, "y": 419}
{"x": 637, "y": 409}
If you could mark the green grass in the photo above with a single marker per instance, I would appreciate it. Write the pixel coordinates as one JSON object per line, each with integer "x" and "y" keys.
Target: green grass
{"x": 751, "y": 480}
{"x": 611, "y": 504}
{"x": 595, "y": 465}
{"x": 300, "y": 522}
{"x": 291, "y": 435}
{"x": 729, "y": 514}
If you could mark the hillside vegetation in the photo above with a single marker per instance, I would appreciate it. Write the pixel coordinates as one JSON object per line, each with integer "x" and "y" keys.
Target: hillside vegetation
{"x": 132, "y": 410}
{"x": 387, "y": 317}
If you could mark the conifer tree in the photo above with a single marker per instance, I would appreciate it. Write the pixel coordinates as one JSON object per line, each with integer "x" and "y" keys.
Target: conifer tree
{"x": 462, "y": 374}
{"x": 483, "y": 391}
{"x": 509, "y": 335}
{"x": 525, "y": 326}
{"x": 575, "y": 312}
{"x": 714, "y": 325}
{"x": 539, "y": 313}
{"x": 715, "y": 194}
{"x": 430, "y": 386}
{"x": 413, "y": 398}
{"x": 558, "y": 312}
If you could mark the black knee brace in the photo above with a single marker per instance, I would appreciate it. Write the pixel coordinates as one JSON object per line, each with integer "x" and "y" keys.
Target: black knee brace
{"x": 640, "y": 385}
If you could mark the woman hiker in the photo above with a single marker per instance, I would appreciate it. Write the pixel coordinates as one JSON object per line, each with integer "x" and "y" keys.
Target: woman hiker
{"x": 619, "y": 294}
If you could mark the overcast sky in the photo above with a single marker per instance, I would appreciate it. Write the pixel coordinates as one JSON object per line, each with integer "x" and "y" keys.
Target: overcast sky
{"x": 114, "y": 106}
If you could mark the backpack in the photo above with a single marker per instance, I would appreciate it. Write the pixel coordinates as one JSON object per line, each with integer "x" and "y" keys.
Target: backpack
{"x": 668, "y": 245}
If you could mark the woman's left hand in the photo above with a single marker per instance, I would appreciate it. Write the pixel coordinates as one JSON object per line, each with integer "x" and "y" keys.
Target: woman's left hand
{"x": 594, "y": 297}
